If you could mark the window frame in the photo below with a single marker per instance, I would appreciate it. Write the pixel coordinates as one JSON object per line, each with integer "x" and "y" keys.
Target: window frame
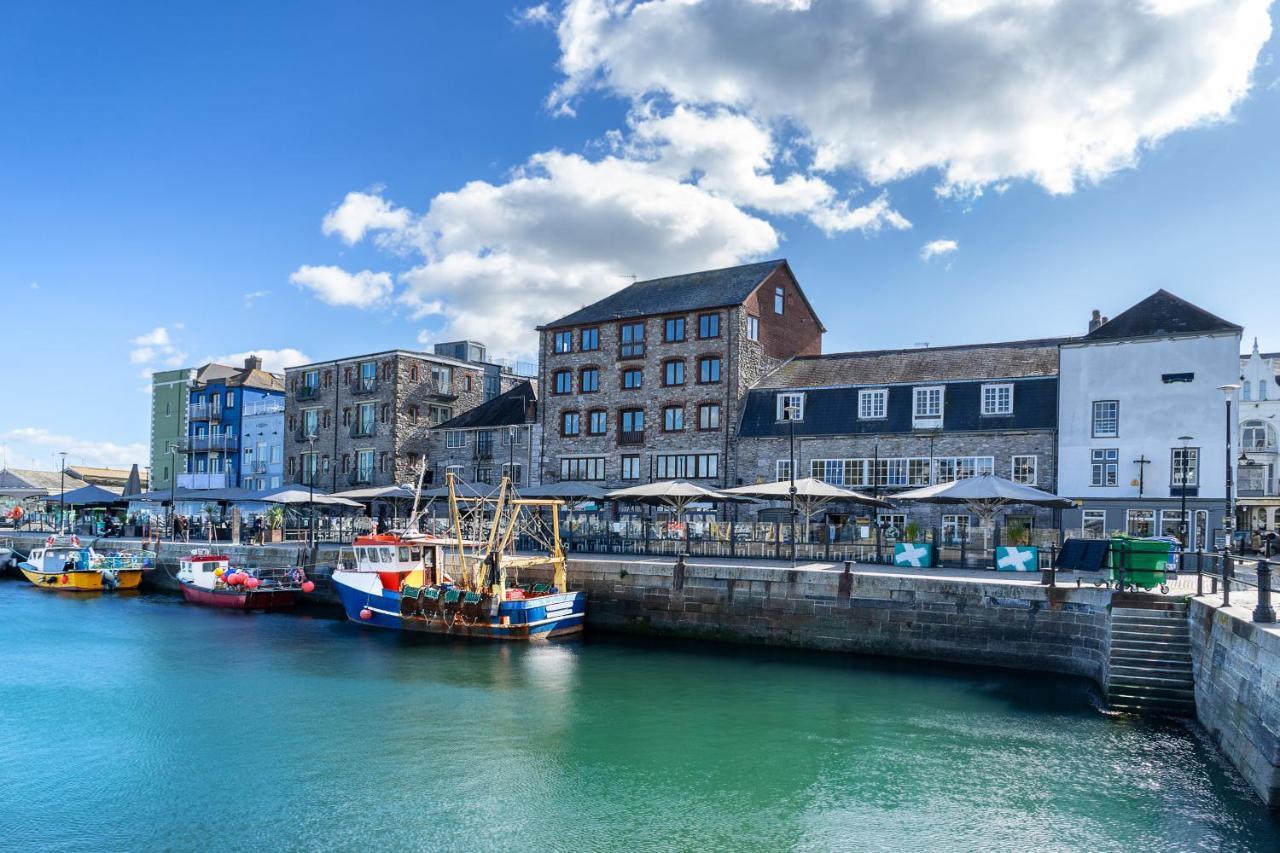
{"x": 680, "y": 325}
{"x": 709, "y": 319}
{"x": 622, "y": 383}
{"x": 565, "y": 420}
{"x": 667, "y": 413}
{"x": 602, "y": 415}
{"x": 1093, "y": 419}
{"x": 666, "y": 368}
{"x": 753, "y": 327}
{"x": 779, "y": 300}
{"x": 705, "y": 360}
{"x": 562, "y": 342}
{"x": 1035, "y": 468}
{"x": 869, "y": 394}
{"x": 594, "y": 332}
{"x": 1194, "y": 482}
{"x": 780, "y": 405}
{"x": 703, "y": 408}
{"x": 629, "y": 344}
{"x": 995, "y": 388}
{"x": 592, "y": 387}
{"x": 556, "y": 375}
{"x": 1104, "y": 465}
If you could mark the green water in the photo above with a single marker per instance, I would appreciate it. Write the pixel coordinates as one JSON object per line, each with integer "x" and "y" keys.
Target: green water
{"x": 131, "y": 722}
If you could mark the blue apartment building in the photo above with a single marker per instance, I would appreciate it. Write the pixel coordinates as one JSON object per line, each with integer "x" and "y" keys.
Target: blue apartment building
{"x": 235, "y": 437}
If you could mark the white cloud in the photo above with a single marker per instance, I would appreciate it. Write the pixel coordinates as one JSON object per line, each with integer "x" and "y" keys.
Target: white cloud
{"x": 1058, "y": 92}
{"x": 273, "y": 360}
{"x": 157, "y": 337}
{"x": 254, "y": 296}
{"x": 33, "y": 446}
{"x": 142, "y": 355}
{"x": 360, "y": 213}
{"x": 938, "y": 248}
{"x": 154, "y": 346}
{"x": 540, "y": 14}
{"x": 336, "y": 286}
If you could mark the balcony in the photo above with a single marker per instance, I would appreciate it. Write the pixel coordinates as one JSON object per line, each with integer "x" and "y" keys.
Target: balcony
{"x": 436, "y": 388}
{"x": 366, "y": 430}
{"x": 364, "y": 385}
{"x": 631, "y": 437}
{"x": 205, "y": 412}
{"x": 484, "y": 451}
{"x": 204, "y": 480}
{"x": 204, "y": 443}
{"x": 258, "y": 467}
{"x": 308, "y": 392}
{"x": 361, "y": 477}
{"x": 307, "y": 433}
{"x": 254, "y": 410}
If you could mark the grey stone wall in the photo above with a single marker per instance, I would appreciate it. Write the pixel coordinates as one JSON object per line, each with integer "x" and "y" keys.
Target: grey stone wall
{"x": 441, "y": 457}
{"x": 1063, "y": 630}
{"x": 1237, "y": 673}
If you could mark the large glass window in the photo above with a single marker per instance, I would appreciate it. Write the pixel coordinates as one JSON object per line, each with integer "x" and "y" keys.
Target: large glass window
{"x": 564, "y": 342}
{"x": 582, "y": 468}
{"x": 673, "y": 373}
{"x": 563, "y": 381}
{"x": 590, "y": 380}
{"x": 673, "y": 418}
{"x": 1140, "y": 522}
{"x": 570, "y": 423}
{"x": 1093, "y": 524}
{"x": 708, "y": 325}
{"x": 598, "y": 422}
{"x": 709, "y": 416}
{"x": 673, "y": 330}
{"x": 873, "y": 404}
{"x": 691, "y": 466}
{"x": 631, "y": 468}
{"x": 590, "y": 340}
{"x": 1184, "y": 469}
{"x": 631, "y": 340}
{"x": 709, "y": 369}
{"x": 632, "y": 378}
{"x": 1105, "y": 467}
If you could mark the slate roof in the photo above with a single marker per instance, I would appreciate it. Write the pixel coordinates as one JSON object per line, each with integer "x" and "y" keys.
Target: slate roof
{"x": 103, "y": 476}
{"x": 507, "y": 409}
{"x": 50, "y": 480}
{"x": 233, "y": 376}
{"x": 930, "y": 364}
{"x": 1159, "y": 315}
{"x": 675, "y": 294}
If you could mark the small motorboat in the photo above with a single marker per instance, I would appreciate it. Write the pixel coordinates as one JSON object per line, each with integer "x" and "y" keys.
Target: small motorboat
{"x": 210, "y": 580}
{"x": 63, "y": 563}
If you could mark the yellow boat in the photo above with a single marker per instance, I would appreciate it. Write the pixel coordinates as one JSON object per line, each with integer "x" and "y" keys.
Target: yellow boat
{"x": 63, "y": 563}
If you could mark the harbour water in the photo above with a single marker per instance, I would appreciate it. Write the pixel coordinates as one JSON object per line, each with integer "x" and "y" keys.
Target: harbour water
{"x": 135, "y": 721}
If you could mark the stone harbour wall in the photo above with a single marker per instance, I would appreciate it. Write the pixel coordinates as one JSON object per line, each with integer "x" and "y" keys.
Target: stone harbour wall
{"x": 1237, "y": 673}
{"x": 1062, "y": 630}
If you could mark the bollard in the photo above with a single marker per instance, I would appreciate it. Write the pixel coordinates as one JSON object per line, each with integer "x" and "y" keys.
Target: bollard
{"x": 1199, "y": 572}
{"x": 1264, "y": 612}
{"x": 1226, "y": 578}
{"x": 677, "y": 572}
{"x": 1053, "y": 565}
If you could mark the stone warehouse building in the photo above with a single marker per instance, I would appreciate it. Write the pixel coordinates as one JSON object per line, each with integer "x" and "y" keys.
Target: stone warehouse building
{"x": 646, "y": 384}
{"x": 371, "y": 415}
{"x": 885, "y": 421}
{"x": 498, "y": 437}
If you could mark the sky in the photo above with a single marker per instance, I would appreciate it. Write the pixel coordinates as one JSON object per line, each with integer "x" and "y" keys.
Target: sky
{"x": 182, "y": 183}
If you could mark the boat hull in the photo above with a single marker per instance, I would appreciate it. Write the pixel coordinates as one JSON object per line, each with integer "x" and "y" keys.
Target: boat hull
{"x": 81, "y": 581}
{"x": 543, "y": 617}
{"x": 253, "y": 599}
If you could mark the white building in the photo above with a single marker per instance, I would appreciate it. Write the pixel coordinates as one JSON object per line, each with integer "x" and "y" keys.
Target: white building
{"x": 1129, "y": 390}
{"x": 1257, "y": 471}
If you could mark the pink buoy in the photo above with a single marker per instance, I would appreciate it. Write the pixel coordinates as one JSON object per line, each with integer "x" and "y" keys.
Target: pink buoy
{"x": 308, "y": 586}
{"x": 366, "y": 614}
{"x": 252, "y": 583}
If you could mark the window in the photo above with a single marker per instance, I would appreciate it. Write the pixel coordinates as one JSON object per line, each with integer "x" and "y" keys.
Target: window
{"x": 311, "y": 379}
{"x": 709, "y": 416}
{"x": 1185, "y": 468}
{"x": 563, "y": 342}
{"x": 597, "y": 422}
{"x": 484, "y": 475}
{"x": 1256, "y": 435}
{"x": 325, "y": 419}
{"x": 590, "y": 340}
{"x": 368, "y": 376}
{"x": 633, "y": 378}
{"x": 997, "y": 399}
{"x": 364, "y": 419}
{"x": 1248, "y": 394}
{"x": 563, "y": 381}
{"x": 673, "y": 418}
{"x": 631, "y": 425}
{"x": 454, "y": 439}
{"x": 1106, "y": 418}
{"x": 673, "y": 330}
{"x": 590, "y": 381}
{"x": 310, "y": 422}
{"x": 1105, "y": 463}
{"x": 231, "y": 400}
{"x": 708, "y": 325}
{"x": 570, "y": 423}
{"x": 413, "y": 373}
{"x": 926, "y": 409}
{"x": 437, "y": 415}
{"x": 841, "y": 472}
{"x": 673, "y": 373}
{"x": 950, "y": 468}
{"x": 512, "y": 472}
{"x": 413, "y": 414}
{"x": 709, "y": 369}
{"x": 955, "y": 528}
{"x": 386, "y": 412}
{"x": 873, "y": 404}
{"x": 686, "y": 466}
{"x": 364, "y": 465}
{"x": 582, "y": 468}
{"x": 1140, "y": 522}
{"x": 782, "y": 470}
{"x": 791, "y": 406}
{"x": 778, "y": 295}
{"x": 631, "y": 467}
{"x": 346, "y": 416}
{"x": 631, "y": 340}
{"x": 753, "y": 328}
{"x": 1025, "y": 469}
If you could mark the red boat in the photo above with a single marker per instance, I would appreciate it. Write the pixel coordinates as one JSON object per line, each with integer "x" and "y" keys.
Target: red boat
{"x": 208, "y": 579}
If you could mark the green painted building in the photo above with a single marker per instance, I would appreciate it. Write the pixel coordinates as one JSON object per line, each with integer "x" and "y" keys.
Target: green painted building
{"x": 169, "y": 409}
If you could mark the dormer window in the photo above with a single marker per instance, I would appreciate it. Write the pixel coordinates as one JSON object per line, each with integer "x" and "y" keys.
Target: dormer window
{"x": 926, "y": 409}
{"x": 791, "y": 406}
{"x": 997, "y": 399}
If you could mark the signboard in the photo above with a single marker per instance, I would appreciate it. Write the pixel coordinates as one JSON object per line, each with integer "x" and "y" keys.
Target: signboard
{"x": 1017, "y": 558}
{"x": 913, "y": 555}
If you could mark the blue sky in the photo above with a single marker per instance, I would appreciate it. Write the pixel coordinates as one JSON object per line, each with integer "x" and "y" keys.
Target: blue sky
{"x": 171, "y": 167}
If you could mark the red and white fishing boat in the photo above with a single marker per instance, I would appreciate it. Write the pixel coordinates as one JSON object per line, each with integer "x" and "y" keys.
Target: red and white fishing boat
{"x": 210, "y": 580}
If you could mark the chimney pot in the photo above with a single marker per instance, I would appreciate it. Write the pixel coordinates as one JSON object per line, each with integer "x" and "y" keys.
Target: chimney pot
{"x": 252, "y": 363}
{"x": 1096, "y": 319}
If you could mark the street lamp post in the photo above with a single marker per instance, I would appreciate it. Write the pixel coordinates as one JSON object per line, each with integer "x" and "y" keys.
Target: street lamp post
{"x": 511, "y": 454}
{"x": 1185, "y": 525}
{"x": 791, "y": 410}
{"x": 172, "y": 449}
{"x": 311, "y": 491}
{"x": 1229, "y": 505}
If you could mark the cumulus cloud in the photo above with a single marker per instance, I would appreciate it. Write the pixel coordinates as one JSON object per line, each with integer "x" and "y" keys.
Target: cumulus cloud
{"x": 336, "y": 286}
{"x": 273, "y": 360}
{"x": 254, "y": 296}
{"x": 360, "y": 213}
{"x": 1057, "y": 92}
{"x": 33, "y": 445}
{"x": 156, "y": 349}
{"x": 938, "y": 248}
{"x": 540, "y": 14}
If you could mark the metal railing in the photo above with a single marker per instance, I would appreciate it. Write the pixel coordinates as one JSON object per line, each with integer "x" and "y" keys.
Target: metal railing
{"x": 306, "y": 392}
{"x": 364, "y": 385}
{"x": 219, "y": 441}
{"x": 359, "y": 430}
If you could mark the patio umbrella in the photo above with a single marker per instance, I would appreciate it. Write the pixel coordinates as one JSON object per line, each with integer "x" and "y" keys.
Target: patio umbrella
{"x": 377, "y": 493}
{"x": 983, "y": 495}
{"x": 86, "y": 496}
{"x": 811, "y": 495}
{"x": 571, "y": 492}
{"x": 675, "y": 494}
{"x": 293, "y": 495}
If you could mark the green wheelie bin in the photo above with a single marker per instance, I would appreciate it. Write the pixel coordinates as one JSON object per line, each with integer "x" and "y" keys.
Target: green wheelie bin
{"x": 1139, "y": 563}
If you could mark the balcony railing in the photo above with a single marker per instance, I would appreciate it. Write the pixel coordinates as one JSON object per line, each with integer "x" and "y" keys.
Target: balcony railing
{"x": 437, "y": 388}
{"x": 631, "y": 437}
{"x": 361, "y": 477}
{"x": 258, "y": 467}
{"x": 204, "y": 480}
{"x": 205, "y": 412}
{"x": 359, "y": 430}
{"x": 307, "y": 392}
{"x": 221, "y": 441}
{"x": 305, "y": 434}
{"x": 254, "y": 410}
{"x": 364, "y": 385}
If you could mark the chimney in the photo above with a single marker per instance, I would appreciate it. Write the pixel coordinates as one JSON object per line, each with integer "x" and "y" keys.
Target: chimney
{"x": 252, "y": 363}
{"x": 1095, "y": 320}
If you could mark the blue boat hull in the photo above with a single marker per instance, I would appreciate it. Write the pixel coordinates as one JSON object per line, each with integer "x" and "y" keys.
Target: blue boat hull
{"x": 541, "y": 618}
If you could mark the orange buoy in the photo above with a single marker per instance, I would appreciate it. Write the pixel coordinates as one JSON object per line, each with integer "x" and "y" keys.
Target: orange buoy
{"x": 366, "y": 614}
{"x": 308, "y": 586}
